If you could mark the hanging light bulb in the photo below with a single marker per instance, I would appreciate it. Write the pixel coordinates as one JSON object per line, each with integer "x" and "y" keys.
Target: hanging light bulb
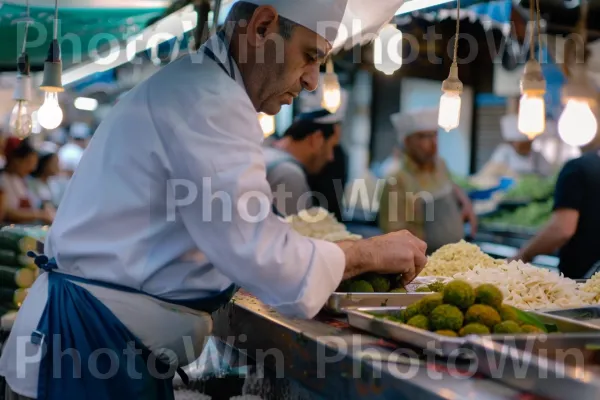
{"x": 532, "y": 108}
{"x": 577, "y": 125}
{"x": 20, "y": 118}
{"x": 50, "y": 114}
{"x": 387, "y": 52}
{"x": 332, "y": 92}
{"x": 267, "y": 123}
{"x": 450, "y": 103}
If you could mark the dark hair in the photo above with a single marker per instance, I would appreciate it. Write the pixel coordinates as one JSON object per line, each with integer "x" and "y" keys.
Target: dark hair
{"x": 303, "y": 128}
{"x": 243, "y": 11}
{"x": 43, "y": 161}
{"x": 18, "y": 149}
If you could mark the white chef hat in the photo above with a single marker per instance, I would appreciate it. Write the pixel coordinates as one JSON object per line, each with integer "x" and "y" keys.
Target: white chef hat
{"x": 323, "y": 17}
{"x": 419, "y": 120}
{"x": 79, "y": 130}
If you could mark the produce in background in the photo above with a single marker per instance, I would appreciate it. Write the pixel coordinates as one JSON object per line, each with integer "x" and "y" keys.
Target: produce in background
{"x": 462, "y": 310}
{"x": 531, "y": 187}
{"x": 532, "y": 215}
{"x": 17, "y": 270}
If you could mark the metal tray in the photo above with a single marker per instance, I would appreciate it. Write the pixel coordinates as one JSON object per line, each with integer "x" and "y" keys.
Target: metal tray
{"x": 565, "y": 368}
{"x": 361, "y": 318}
{"x": 339, "y": 302}
{"x": 590, "y": 315}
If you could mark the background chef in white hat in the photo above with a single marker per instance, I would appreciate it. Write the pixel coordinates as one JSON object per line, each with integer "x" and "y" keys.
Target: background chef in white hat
{"x": 304, "y": 149}
{"x": 420, "y": 196}
{"x": 516, "y": 155}
{"x": 70, "y": 153}
{"x": 135, "y": 263}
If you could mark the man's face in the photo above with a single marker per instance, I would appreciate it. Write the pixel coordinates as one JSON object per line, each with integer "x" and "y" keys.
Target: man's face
{"x": 322, "y": 149}
{"x": 422, "y": 146}
{"x": 288, "y": 66}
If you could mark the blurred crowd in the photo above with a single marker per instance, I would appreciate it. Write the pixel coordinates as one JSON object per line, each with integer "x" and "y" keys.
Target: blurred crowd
{"x": 35, "y": 172}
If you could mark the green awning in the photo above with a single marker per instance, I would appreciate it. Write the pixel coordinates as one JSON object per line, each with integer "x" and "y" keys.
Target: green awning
{"x": 81, "y": 31}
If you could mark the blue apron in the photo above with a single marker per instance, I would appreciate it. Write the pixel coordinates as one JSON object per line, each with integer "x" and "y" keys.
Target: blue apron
{"x": 123, "y": 368}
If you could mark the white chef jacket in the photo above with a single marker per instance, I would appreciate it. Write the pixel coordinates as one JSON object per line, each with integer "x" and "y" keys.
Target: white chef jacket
{"x": 189, "y": 121}
{"x": 534, "y": 163}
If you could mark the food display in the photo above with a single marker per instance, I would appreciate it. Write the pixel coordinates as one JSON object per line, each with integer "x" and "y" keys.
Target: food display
{"x": 531, "y": 215}
{"x": 463, "y": 309}
{"x": 455, "y": 258}
{"x": 531, "y": 187}
{"x": 319, "y": 223}
{"x": 17, "y": 270}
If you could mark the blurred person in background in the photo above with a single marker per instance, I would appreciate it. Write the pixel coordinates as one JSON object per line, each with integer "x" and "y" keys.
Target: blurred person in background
{"x": 516, "y": 155}
{"x": 330, "y": 183}
{"x": 42, "y": 183}
{"x": 70, "y": 154}
{"x": 306, "y": 147}
{"x": 19, "y": 202}
{"x": 573, "y": 227}
{"x": 422, "y": 184}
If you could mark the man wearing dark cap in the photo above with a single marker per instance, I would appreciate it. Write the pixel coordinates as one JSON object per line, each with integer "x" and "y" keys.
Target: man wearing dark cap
{"x": 306, "y": 147}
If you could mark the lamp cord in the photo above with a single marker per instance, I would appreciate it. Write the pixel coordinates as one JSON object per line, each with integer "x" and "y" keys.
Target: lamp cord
{"x": 539, "y": 27}
{"x": 26, "y": 29}
{"x": 457, "y": 33}
{"x": 532, "y": 32}
{"x": 55, "y": 19}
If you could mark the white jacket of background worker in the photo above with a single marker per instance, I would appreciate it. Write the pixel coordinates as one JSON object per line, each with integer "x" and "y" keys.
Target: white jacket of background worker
{"x": 171, "y": 198}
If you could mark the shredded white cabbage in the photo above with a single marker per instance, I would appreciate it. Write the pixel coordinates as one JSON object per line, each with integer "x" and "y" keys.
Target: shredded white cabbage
{"x": 318, "y": 223}
{"x": 530, "y": 288}
{"x": 593, "y": 286}
{"x": 458, "y": 257}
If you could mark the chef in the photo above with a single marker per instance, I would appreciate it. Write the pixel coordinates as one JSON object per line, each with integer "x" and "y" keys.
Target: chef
{"x": 516, "y": 155}
{"x": 70, "y": 153}
{"x": 170, "y": 211}
{"x": 421, "y": 196}
{"x": 306, "y": 147}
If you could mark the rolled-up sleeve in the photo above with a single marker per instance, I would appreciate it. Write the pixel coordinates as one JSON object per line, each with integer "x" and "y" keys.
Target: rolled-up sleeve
{"x": 216, "y": 147}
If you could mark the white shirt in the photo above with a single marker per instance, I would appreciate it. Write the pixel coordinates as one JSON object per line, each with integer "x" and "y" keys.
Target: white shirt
{"x": 189, "y": 121}
{"x": 533, "y": 163}
{"x": 291, "y": 192}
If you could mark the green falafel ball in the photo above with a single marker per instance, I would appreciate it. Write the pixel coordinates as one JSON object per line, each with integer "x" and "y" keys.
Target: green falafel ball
{"x": 489, "y": 295}
{"x": 360, "y": 287}
{"x": 446, "y": 317}
{"x": 399, "y": 290}
{"x": 423, "y": 289}
{"x": 460, "y": 294}
{"x": 419, "y": 321}
{"x": 474, "y": 329}
{"x": 380, "y": 283}
{"x": 411, "y": 311}
{"x": 531, "y": 329}
{"x": 344, "y": 286}
{"x": 508, "y": 313}
{"x": 507, "y": 327}
{"x": 428, "y": 303}
{"x": 482, "y": 314}
{"x": 446, "y": 332}
{"x": 437, "y": 286}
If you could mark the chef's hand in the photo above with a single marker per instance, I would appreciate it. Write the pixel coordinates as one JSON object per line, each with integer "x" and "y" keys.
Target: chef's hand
{"x": 394, "y": 253}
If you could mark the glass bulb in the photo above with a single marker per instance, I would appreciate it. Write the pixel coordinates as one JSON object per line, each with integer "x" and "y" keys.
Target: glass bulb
{"x": 267, "y": 123}
{"x": 50, "y": 114}
{"x": 449, "y": 117}
{"x": 387, "y": 51}
{"x": 532, "y": 115}
{"x": 332, "y": 93}
{"x": 577, "y": 126}
{"x": 20, "y": 122}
